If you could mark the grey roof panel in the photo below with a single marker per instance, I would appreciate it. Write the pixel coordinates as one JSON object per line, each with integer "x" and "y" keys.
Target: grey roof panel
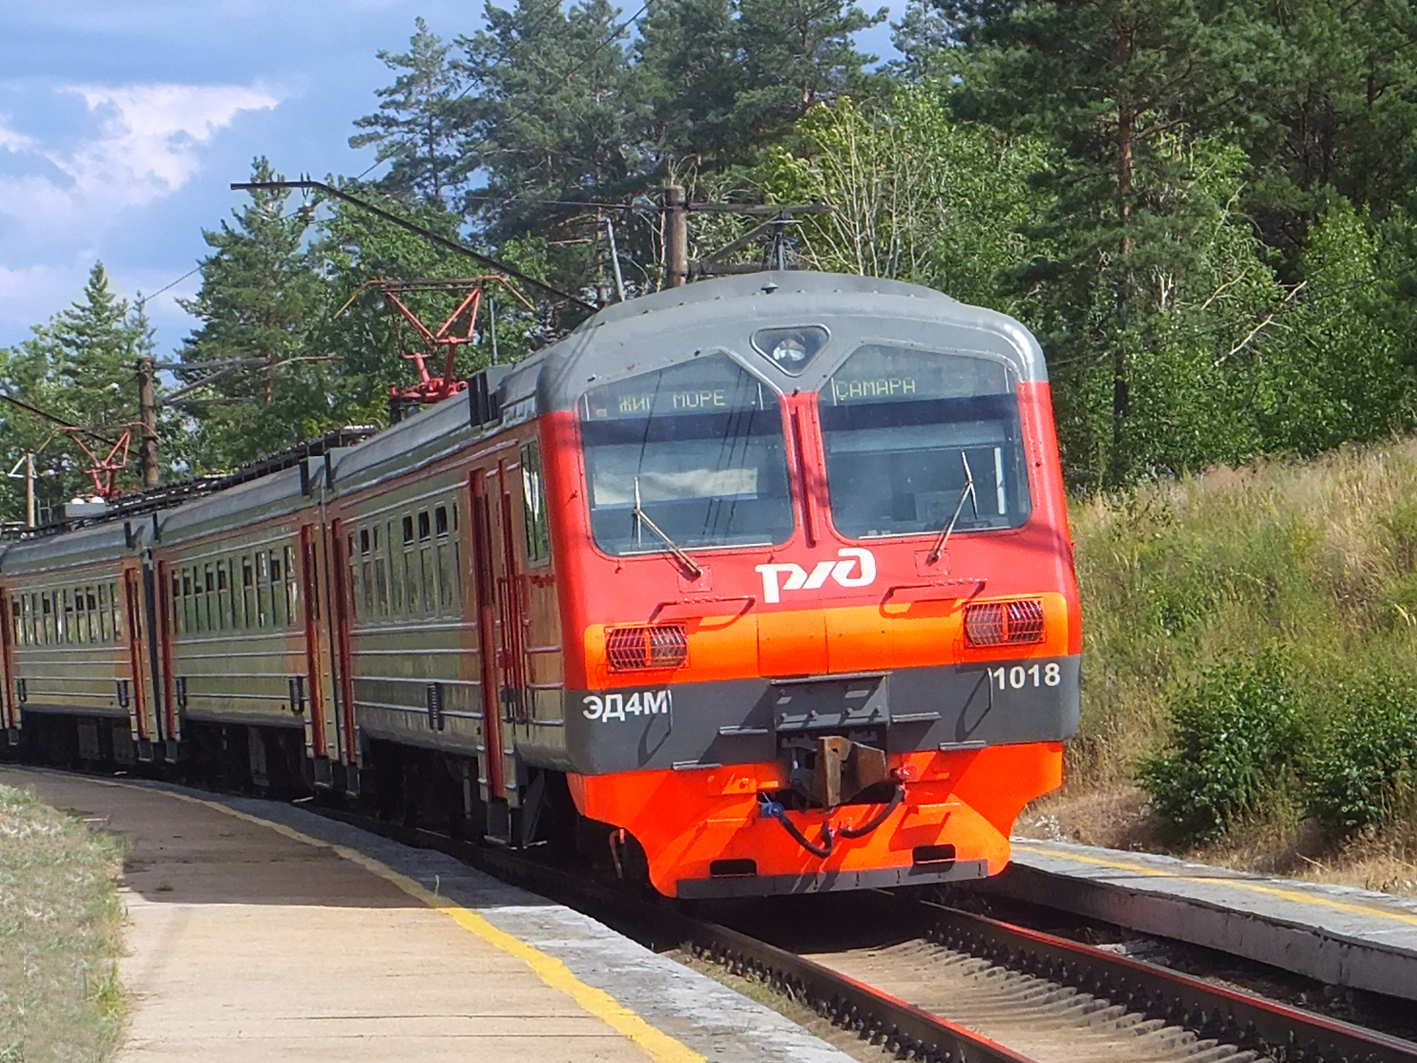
{"x": 622, "y": 340}
{"x": 245, "y": 503}
{"x": 93, "y": 543}
{"x": 661, "y": 329}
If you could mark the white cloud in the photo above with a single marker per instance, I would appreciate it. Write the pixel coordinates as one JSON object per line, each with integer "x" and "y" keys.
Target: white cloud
{"x": 148, "y": 143}
{"x": 149, "y": 136}
{"x": 13, "y": 140}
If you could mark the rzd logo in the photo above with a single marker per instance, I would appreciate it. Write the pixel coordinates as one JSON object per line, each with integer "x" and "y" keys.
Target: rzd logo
{"x": 799, "y": 579}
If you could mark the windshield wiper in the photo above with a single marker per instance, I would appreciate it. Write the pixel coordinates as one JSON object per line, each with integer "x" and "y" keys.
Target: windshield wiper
{"x": 641, "y": 517}
{"x": 966, "y": 492}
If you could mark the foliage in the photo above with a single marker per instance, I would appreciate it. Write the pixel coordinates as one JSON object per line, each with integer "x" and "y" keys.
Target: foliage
{"x": 1310, "y": 564}
{"x": 1201, "y": 209}
{"x": 917, "y": 196}
{"x": 1330, "y": 115}
{"x": 1202, "y": 267}
{"x": 1341, "y": 368}
{"x": 417, "y": 126}
{"x": 1363, "y": 769}
{"x": 79, "y": 369}
{"x": 1234, "y": 731}
{"x": 258, "y": 382}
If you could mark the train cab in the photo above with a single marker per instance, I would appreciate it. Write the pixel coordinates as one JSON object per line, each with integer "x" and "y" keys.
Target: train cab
{"x": 814, "y": 543}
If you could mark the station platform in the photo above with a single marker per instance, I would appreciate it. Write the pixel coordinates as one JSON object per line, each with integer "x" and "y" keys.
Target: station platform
{"x": 259, "y": 932}
{"x": 1336, "y": 934}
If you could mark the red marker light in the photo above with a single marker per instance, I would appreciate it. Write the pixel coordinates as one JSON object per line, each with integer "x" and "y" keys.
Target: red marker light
{"x": 647, "y": 646}
{"x": 1004, "y": 623}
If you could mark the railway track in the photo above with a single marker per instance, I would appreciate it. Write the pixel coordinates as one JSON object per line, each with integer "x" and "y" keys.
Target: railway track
{"x": 966, "y": 988}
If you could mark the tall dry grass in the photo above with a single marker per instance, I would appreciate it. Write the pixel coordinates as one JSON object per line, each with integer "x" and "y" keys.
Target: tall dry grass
{"x": 1317, "y": 560}
{"x": 60, "y": 922}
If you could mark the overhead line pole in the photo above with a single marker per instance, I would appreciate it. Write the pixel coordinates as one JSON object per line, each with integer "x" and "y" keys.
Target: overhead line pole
{"x": 147, "y": 417}
{"x": 413, "y": 227}
{"x": 676, "y": 236}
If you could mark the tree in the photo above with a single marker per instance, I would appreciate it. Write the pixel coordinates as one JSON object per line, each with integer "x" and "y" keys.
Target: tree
{"x": 555, "y": 113}
{"x": 796, "y": 54}
{"x": 1343, "y": 367}
{"x": 1333, "y": 114}
{"x": 99, "y": 339}
{"x": 1119, "y": 89}
{"x": 419, "y": 123}
{"x": 355, "y": 248}
{"x": 917, "y": 195}
{"x": 79, "y": 368}
{"x": 259, "y": 304}
{"x": 689, "y": 74}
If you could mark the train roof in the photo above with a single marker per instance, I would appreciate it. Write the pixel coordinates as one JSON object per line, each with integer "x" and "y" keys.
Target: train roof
{"x": 626, "y": 339}
{"x": 272, "y": 495}
{"x": 672, "y": 326}
{"x": 677, "y": 324}
{"x": 98, "y": 542}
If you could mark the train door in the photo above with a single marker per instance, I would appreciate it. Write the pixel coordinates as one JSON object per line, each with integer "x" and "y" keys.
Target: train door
{"x": 142, "y": 718}
{"x": 9, "y": 711}
{"x": 165, "y": 622}
{"x": 343, "y": 684}
{"x": 320, "y": 737}
{"x": 511, "y": 606}
{"x": 486, "y": 577}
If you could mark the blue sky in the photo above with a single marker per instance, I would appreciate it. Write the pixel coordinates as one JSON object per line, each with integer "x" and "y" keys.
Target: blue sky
{"x": 122, "y": 122}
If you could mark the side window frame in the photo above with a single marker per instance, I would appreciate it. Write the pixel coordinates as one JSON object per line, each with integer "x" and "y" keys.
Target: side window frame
{"x": 535, "y": 521}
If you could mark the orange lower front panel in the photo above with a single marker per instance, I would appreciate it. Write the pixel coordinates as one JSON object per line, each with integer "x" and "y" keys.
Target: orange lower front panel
{"x": 699, "y": 827}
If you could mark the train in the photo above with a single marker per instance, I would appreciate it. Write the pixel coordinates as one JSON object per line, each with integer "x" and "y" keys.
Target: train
{"x": 760, "y": 585}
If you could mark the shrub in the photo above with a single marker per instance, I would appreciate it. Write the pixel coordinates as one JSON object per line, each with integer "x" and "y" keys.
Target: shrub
{"x": 1232, "y": 737}
{"x": 1363, "y": 768}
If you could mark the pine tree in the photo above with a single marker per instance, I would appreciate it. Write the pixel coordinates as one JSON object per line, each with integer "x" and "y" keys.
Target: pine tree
{"x": 98, "y": 344}
{"x": 79, "y": 369}
{"x": 419, "y": 123}
{"x": 555, "y": 102}
{"x": 1119, "y": 88}
{"x": 795, "y": 54}
{"x": 1333, "y": 113}
{"x": 259, "y": 303}
{"x": 690, "y": 73}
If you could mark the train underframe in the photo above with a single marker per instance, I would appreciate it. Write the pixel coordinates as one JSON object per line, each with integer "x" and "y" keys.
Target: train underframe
{"x": 733, "y": 830}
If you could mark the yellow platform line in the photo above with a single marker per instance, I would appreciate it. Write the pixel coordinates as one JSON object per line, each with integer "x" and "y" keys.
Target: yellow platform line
{"x": 1296, "y": 896}
{"x": 655, "y": 1042}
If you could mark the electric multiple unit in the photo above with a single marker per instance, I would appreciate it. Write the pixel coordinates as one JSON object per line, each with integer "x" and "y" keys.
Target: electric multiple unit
{"x": 760, "y": 585}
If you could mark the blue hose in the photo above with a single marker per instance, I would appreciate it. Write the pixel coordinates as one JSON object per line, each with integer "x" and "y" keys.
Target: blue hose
{"x": 770, "y": 809}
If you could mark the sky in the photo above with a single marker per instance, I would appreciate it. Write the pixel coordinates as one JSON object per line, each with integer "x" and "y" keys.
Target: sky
{"x": 123, "y": 122}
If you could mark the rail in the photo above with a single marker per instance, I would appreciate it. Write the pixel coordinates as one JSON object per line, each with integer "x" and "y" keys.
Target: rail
{"x": 1244, "y": 1026}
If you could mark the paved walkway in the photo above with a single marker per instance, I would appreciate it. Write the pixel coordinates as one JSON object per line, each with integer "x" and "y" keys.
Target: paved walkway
{"x": 262, "y": 933}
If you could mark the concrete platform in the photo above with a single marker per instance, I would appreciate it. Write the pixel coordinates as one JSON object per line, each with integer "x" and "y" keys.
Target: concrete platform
{"x": 1336, "y": 934}
{"x": 259, "y": 932}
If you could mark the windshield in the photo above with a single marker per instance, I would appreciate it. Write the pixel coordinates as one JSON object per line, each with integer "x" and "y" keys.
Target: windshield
{"x": 701, "y": 444}
{"x": 901, "y": 427}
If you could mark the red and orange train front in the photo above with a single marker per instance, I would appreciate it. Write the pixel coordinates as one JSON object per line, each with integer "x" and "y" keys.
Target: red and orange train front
{"x": 813, "y": 549}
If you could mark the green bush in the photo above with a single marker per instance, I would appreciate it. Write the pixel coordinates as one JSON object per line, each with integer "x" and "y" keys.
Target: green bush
{"x": 1363, "y": 768}
{"x": 1232, "y": 737}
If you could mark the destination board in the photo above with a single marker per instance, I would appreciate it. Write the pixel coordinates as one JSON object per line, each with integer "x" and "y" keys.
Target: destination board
{"x": 878, "y": 373}
{"x": 714, "y": 385}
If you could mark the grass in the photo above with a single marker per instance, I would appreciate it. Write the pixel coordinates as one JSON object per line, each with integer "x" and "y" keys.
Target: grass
{"x": 1310, "y": 563}
{"x": 60, "y": 922}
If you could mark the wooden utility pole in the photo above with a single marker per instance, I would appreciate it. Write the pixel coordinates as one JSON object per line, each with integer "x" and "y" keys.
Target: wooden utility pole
{"x": 29, "y": 490}
{"x": 147, "y": 417}
{"x": 676, "y": 236}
